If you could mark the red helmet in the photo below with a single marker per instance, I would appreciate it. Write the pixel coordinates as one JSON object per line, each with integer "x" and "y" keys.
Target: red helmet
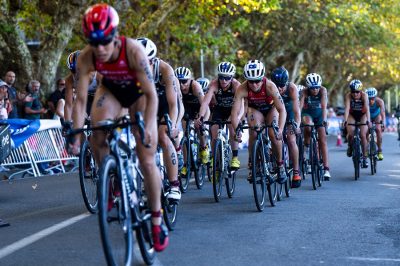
{"x": 100, "y": 23}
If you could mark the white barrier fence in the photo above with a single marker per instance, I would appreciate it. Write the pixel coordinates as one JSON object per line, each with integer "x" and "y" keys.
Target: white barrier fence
{"x": 45, "y": 146}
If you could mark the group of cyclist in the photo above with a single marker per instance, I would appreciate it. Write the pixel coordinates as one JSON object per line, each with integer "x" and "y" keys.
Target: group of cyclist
{"x": 134, "y": 79}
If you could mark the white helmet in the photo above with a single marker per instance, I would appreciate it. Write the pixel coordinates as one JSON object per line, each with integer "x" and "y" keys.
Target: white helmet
{"x": 372, "y": 92}
{"x": 149, "y": 47}
{"x": 183, "y": 73}
{"x": 204, "y": 82}
{"x": 226, "y": 68}
{"x": 313, "y": 80}
{"x": 254, "y": 70}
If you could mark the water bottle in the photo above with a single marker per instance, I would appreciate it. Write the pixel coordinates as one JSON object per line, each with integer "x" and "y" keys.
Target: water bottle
{"x": 131, "y": 184}
{"x": 193, "y": 146}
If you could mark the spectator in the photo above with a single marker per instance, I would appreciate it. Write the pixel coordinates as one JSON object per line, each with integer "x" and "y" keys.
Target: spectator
{"x": 33, "y": 106}
{"x": 16, "y": 98}
{"x": 55, "y": 97}
{"x": 3, "y": 100}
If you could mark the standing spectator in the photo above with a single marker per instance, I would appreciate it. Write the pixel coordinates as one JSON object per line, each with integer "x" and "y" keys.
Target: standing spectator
{"x": 16, "y": 98}
{"x": 33, "y": 106}
{"x": 4, "y": 101}
{"x": 57, "y": 95}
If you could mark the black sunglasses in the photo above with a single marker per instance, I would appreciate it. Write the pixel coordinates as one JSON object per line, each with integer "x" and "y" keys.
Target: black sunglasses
{"x": 183, "y": 81}
{"x": 224, "y": 78}
{"x": 103, "y": 42}
{"x": 254, "y": 81}
{"x": 314, "y": 88}
{"x": 356, "y": 92}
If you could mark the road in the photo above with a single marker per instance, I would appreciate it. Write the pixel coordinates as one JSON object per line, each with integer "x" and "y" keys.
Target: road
{"x": 345, "y": 222}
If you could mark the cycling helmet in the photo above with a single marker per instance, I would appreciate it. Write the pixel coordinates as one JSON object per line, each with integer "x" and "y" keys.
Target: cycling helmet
{"x": 204, "y": 82}
{"x": 313, "y": 80}
{"x": 100, "y": 23}
{"x": 183, "y": 73}
{"x": 226, "y": 69}
{"x": 355, "y": 85}
{"x": 254, "y": 70}
{"x": 280, "y": 76}
{"x": 149, "y": 47}
{"x": 372, "y": 92}
{"x": 72, "y": 59}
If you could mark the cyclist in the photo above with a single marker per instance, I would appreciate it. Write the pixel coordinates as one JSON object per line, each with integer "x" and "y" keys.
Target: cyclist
{"x": 313, "y": 102}
{"x": 289, "y": 94}
{"x": 127, "y": 82}
{"x": 70, "y": 86}
{"x": 357, "y": 110}
{"x": 168, "y": 102}
{"x": 192, "y": 96}
{"x": 264, "y": 105}
{"x": 377, "y": 113}
{"x": 223, "y": 89}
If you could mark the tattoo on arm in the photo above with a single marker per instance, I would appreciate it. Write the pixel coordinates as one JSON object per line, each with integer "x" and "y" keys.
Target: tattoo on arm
{"x": 145, "y": 66}
{"x": 174, "y": 83}
{"x": 100, "y": 101}
{"x": 279, "y": 96}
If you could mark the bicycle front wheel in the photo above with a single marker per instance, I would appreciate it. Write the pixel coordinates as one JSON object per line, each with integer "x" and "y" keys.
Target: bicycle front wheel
{"x": 372, "y": 154}
{"x": 356, "y": 158}
{"x": 88, "y": 178}
{"x": 185, "y": 178}
{"x": 217, "y": 177}
{"x": 258, "y": 175}
{"x": 230, "y": 175}
{"x": 198, "y": 169}
{"x": 115, "y": 219}
{"x": 144, "y": 238}
{"x": 313, "y": 163}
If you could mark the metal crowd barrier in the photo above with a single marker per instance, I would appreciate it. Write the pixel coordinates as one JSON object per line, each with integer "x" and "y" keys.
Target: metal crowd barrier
{"x": 43, "y": 146}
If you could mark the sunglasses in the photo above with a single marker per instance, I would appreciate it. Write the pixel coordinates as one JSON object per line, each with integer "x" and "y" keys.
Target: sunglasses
{"x": 356, "y": 92}
{"x": 314, "y": 88}
{"x": 61, "y": 84}
{"x": 183, "y": 81}
{"x": 103, "y": 42}
{"x": 224, "y": 78}
{"x": 254, "y": 81}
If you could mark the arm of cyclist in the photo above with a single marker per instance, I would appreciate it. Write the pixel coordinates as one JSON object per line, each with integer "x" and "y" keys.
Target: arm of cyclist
{"x": 171, "y": 85}
{"x": 139, "y": 62}
{"x": 295, "y": 105}
{"x": 240, "y": 95}
{"x": 69, "y": 95}
{"x": 346, "y": 108}
{"x": 366, "y": 104}
{"x": 324, "y": 103}
{"x": 381, "y": 104}
{"x": 198, "y": 92}
{"x": 280, "y": 107}
{"x": 207, "y": 98}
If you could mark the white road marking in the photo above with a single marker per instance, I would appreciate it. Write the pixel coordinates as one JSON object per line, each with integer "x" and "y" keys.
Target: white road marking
{"x": 39, "y": 235}
{"x": 373, "y": 259}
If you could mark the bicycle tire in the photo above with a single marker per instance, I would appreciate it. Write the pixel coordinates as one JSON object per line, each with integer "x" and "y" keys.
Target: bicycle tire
{"x": 170, "y": 210}
{"x": 372, "y": 153}
{"x": 302, "y": 162}
{"x": 113, "y": 217}
{"x": 258, "y": 175}
{"x": 313, "y": 164}
{"x": 197, "y": 169}
{"x": 289, "y": 172}
{"x": 230, "y": 183}
{"x": 356, "y": 158}
{"x": 144, "y": 239}
{"x": 217, "y": 170}
{"x": 319, "y": 165}
{"x": 184, "y": 179}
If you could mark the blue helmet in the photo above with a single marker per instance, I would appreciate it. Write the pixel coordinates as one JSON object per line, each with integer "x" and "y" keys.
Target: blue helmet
{"x": 204, "y": 83}
{"x": 72, "y": 60}
{"x": 280, "y": 76}
{"x": 355, "y": 85}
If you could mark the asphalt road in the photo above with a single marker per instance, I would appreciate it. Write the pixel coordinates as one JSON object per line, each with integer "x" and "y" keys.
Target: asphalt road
{"x": 345, "y": 222}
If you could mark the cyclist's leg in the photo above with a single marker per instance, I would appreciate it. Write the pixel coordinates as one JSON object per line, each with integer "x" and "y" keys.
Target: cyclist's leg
{"x": 254, "y": 118}
{"x": 363, "y": 133}
{"x": 105, "y": 106}
{"x": 350, "y": 134}
{"x": 323, "y": 145}
{"x": 378, "y": 130}
{"x": 294, "y": 154}
{"x": 272, "y": 116}
{"x": 307, "y": 120}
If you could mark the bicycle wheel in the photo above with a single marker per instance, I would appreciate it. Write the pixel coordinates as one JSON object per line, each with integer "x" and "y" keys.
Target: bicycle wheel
{"x": 217, "y": 177}
{"x": 319, "y": 166}
{"x": 115, "y": 219}
{"x": 184, "y": 179}
{"x": 302, "y": 166}
{"x": 197, "y": 169}
{"x": 88, "y": 178}
{"x": 169, "y": 208}
{"x": 258, "y": 175}
{"x": 356, "y": 158}
{"x": 313, "y": 164}
{"x": 229, "y": 174}
{"x": 372, "y": 153}
{"x": 144, "y": 238}
{"x": 289, "y": 172}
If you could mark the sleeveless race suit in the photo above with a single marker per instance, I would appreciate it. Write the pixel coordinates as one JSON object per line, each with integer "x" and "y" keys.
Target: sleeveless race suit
{"x": 374, "y": 110}
{"x": 357, "y": 108}
{"x": 312, "y": 107}
{"x": 119, "y": 79}
{"x": 224, "y": 103}
{"x": 287, "y": 100}
{"x": 260, "y": 100}
{"x": 191, "y": 103}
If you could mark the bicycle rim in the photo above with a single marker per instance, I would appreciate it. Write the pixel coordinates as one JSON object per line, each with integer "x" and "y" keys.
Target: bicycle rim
{"x": 217, "y": 171}
{"x": 88, "y": 178}
{"x": 184, "y": 179}
{"x": 114, "y": 220}
{"x": 198, "y": 170}
{"x": 144, "y": 238}
{"x": 313, "y": 165}
{"x": 258, "y": 175}
{"x": 230, "y": 175}
{"x": 356, "y": 159}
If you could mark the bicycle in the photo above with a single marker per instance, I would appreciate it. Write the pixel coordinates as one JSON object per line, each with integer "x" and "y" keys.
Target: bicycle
{"x": 122, "y": 203}
{"x": 222, "y": 156}
{"x": 357, "y": 149}
{"x": 191, "y": 148}
{"x": 315, "y": 156}
{"x": 262, "y": 167}
{"x": 302, "y": 161}
{"x": 88, "y": 178}
{"x": 373, "y": 149}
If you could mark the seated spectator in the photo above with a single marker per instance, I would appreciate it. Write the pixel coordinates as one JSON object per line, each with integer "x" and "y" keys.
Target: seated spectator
{"x": 33, "y": 106}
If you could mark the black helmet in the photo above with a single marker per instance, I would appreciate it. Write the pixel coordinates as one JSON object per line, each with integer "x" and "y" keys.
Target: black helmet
{"x": 280, "y": 76}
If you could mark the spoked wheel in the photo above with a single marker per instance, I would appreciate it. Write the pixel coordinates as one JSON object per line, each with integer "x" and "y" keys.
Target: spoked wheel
{"x": 115, "y": 219}
{"x": 258, "y": 175}
{"x": 199, "y": 174}
{"x": 217, "y": 177}
{"x": 313, "y": 163}
{"x": 288, "y": 183}
{"x": 169, "y": 208}
{"x": 372, "y": 155}
{"x": 230, "y": 175}
{"x": 88, "y": 177}
{"x": 319, "y": 167}
{"x": 144, "y": 238}
{"x": 184, "y": 179}
{"x": 302, "y": 162}
{"x": 356, "y": 159}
